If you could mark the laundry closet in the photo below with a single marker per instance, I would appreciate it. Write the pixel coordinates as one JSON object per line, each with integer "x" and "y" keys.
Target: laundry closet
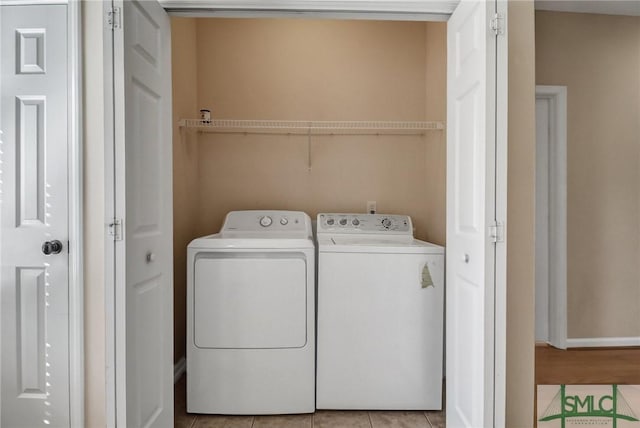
{"x": 296, "y": 75}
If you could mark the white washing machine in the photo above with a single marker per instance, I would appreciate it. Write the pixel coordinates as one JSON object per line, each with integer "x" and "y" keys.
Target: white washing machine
{"x": 380, "y": 314}
{"x": 251, "y": 316}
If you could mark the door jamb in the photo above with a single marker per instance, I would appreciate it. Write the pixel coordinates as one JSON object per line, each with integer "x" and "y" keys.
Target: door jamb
{"x": 557, "y": 284}
{"x": 500, "y": 278}
{"x": 76, "y": 262}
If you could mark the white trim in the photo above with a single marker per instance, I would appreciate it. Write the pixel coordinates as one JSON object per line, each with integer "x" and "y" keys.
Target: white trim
{"x": 412, "y": 10}
{"x": 179, "y": 369}
{"x": 557, "y": 170}
{"x": 601, "y": 7}
{"x": 500, "y": 290}
{"x": 109, "y": 214}
{"x": 378, "y": 16}
{"x": 438, "y": 7}
{"x": 32, "y": 2}
{"x": 118, "y": 206}
{"x": 596, "y": 342}
{"x": 76, "y": 263}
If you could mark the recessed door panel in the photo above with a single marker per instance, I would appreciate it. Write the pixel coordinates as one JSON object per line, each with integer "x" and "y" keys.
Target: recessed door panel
{"x": 148, "y": 330}
{"x": 250, "y": 302}
{"x": 30, "y": 112}
{"x": 31, "y": 333}
{"x": 31, "y": 50}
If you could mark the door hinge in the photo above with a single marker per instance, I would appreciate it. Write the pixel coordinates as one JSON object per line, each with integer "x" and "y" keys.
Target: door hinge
{"x": 114, "y": 18}
{"x": 496, "y": 232}
{"x": 496, "y": 24}
{"x": 115, "y": 229}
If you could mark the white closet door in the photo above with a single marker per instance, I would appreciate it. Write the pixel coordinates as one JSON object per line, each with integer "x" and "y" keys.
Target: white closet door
{"x": 34, "y": 210}
{"x": 144, "y": 259}
{"x": 471, "y": 180}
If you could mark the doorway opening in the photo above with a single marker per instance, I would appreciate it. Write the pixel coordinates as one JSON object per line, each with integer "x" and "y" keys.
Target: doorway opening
{"x": 267, "y": 72}
{"x": 480, "y": 156}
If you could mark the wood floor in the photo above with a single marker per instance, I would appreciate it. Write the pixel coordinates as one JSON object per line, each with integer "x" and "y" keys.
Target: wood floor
{"x": 590, "y": 366}
{"x": 587, "y": 366}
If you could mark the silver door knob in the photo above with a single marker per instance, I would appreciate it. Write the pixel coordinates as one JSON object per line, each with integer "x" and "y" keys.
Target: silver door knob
{"x": 51, "y": 247}
{"x": 465, "y": 258}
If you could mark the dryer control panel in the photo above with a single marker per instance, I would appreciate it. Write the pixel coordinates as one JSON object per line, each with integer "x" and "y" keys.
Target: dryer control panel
{"x": 267, "y": 221}
{"x": 387, "y": 224}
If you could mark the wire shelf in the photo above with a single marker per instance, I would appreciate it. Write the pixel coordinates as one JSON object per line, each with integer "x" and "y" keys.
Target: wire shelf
{"x": 311, "y": 127}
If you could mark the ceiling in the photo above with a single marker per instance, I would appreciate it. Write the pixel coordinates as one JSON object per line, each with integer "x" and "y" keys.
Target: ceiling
{"x": 605, "y": 7}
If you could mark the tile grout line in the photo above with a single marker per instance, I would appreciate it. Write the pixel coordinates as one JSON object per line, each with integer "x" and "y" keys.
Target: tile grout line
{"x": 193, "y": 423}
{"x": 370, "y": 421}
{"x": 427, "y": 418}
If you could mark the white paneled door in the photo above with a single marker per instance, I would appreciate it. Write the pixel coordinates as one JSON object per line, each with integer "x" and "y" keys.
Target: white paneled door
{"x": 471, "y": 210}
{"x": 34, "y": 217}
{"x": 144, "y": 257}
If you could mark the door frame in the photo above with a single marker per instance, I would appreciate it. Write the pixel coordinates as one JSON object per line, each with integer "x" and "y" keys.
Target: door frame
{"x": 76, "y": 220}
{"x": 414, "y": 10}
{"x": 75, "y": 204}
{"x": 556, "y": 168}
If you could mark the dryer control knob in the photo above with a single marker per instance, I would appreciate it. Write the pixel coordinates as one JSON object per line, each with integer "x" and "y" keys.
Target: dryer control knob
{"x": 265, "y": 221}
{"x": 284, "y": 221}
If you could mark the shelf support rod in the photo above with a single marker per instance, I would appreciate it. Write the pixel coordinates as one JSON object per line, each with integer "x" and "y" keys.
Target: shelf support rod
{"x": 309, "y": 147}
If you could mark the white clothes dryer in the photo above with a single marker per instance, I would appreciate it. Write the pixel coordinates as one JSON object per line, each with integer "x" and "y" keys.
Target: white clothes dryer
{"x": 380, "y": 314}
{"x": 251, "y": 316}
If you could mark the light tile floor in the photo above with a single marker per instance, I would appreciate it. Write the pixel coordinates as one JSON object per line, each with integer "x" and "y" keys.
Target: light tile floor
{"x": 319, "y": 419}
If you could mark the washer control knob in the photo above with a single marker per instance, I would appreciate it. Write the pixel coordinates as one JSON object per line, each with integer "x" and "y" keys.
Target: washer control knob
{"x": 343, "y": 221}
{"x": 265, "y": 221}
{"x": 386, "y": 222}
{"x": 284, "y": 221}
{"x": 355, "y": 222}
{"x": 330, "y": 221}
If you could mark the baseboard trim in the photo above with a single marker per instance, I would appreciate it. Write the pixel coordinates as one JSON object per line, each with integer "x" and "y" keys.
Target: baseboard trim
{"x": 179, "y": 369}
{"x": 597, "y": 342}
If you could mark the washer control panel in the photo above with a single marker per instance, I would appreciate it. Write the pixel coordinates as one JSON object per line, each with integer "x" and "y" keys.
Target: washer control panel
{"x": 364, "y": 223}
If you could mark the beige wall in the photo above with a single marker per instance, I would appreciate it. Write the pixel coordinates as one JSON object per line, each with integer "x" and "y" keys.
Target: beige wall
{"x": 319, "y": 70}
{"x": 598, "y": 58}
{"x": 435, "y": 189}
{"x": 520, "y": 215}
{"x": 185, "y": 167}
{"x": 94, "y": 209}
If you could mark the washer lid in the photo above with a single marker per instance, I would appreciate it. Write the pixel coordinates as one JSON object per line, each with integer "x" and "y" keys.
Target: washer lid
{"x": 375, "y": 244}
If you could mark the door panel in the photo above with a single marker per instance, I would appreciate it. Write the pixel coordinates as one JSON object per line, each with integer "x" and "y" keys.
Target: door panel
{"x": 250, "y": 302}
{"x": 34, "y": 209}
{"x": 144, "y": 199}
{"x": 471, "y": 145}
